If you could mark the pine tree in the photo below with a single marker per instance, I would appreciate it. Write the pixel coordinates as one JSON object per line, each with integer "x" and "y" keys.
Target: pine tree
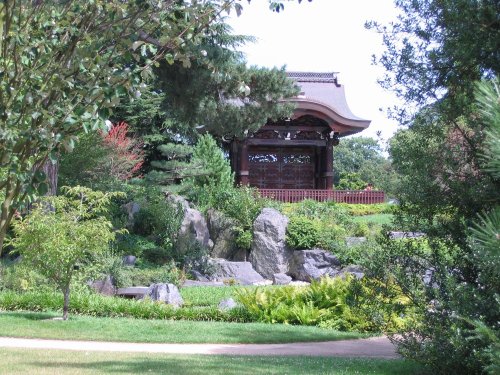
{"x": 212, "y": 168}
{"x": 486, "y": 234}
{"x": 174, "y": 166}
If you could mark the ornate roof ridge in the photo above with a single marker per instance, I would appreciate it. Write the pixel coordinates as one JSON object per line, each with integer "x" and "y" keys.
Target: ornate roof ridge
{"x": 324, "y": 77}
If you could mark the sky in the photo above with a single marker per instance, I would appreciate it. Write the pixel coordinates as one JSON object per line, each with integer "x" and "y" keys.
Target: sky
{"x": 325, "y": 36}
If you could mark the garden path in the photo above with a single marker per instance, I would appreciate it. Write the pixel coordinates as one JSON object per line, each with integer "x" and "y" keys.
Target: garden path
{"x": 374, "y": 347}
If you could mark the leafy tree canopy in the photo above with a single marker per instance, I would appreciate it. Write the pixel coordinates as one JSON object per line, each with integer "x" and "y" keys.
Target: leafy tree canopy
{"x": 436, "y": 50}
{"x": 65, "y": 64}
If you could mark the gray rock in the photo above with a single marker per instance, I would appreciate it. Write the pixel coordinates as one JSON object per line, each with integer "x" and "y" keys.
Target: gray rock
{"x": 167, "y": 293}
{"x": 198, "y": 276}
{"x": 177, "y": 200}
{"x": 129, "y": 260}
{"x": 269, "y": 254}
{"x": 281, "y": 279}
{"x": 354, "y": 241}
{"x": 399, "y": 235}
{"x": 223, "y": 233}
{"x": 104, "y": 286}
{"x": 227, "y": 304}
{"x": 131, "y": 208}
{"x": 307, "y": 265}
{"x": 193, "y": 227}
{"x": 353, "y": 269}
{"x": 428, "y": 277}
{"x": 241, "y": 272}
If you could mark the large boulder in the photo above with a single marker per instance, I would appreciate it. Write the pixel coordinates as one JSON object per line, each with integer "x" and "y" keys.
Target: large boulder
{"x": 222, "y": 230}
{"x": 307, "y": 265}
{"x": 193, "y": 226}
{"x": 240, "y": 272}
{"x": 269, "y": 254}
{"x": 167, "y": 293}
{"x": 104, "y": 286}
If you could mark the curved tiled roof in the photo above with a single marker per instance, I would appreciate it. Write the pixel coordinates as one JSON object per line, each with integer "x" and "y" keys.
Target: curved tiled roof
{"x": 323, "y": 90}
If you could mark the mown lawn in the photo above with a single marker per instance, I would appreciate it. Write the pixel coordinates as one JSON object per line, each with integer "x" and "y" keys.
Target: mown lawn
{"x": 375, "y": 219}
{"x": 43, "y": 362}
{"x": 41, "y": 325}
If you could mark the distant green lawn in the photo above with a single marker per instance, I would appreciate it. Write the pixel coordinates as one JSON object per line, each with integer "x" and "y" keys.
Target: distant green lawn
{"x": 43, "y": 362}
{"x": 377, "y": 219}
{"x": 40, "y": 325}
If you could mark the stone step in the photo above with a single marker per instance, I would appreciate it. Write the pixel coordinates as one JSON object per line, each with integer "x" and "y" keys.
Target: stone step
{"x": 136, "y": 292}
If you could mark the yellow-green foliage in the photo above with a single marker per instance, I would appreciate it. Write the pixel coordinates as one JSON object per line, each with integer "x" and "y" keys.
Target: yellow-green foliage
{"x": 315, "y": 224}
{"x": 345, "y": 304}
{"x": 367, "y": 209}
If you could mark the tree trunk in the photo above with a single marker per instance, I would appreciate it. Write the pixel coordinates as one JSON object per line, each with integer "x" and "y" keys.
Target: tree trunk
{"x": 51, "y": 170}
{"x": 11, "y": 192}
{"x": 66, "y": 303}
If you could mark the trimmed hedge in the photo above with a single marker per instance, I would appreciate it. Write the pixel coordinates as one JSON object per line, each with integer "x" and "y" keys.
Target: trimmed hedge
{"x": 102, "y": 306}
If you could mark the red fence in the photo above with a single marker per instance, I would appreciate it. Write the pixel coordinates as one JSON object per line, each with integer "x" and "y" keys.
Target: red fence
{"x": 341, "y": 196}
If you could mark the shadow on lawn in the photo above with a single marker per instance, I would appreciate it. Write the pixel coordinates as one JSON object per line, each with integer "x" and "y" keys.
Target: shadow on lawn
{"x": 31, "y": 315}
{"x": 228, "y": 365}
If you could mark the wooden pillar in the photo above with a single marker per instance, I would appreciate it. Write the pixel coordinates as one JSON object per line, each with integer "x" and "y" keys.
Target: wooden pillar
{"x": 317, "y": 168}
{"x": 329, "y": 165}
{"x": 243, "y": 169}
{"x": 233, "y": 158}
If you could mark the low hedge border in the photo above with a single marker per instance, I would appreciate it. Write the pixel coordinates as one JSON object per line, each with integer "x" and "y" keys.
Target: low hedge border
{"x": 103, "y": 306}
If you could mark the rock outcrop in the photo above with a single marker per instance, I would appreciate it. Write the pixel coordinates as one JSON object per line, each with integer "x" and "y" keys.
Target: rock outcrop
{"x": 239, "y": 272}
{"x": 222, "y": 230}
{"x": 104, "y": 286}
{"x": 193, "y": 226}
{"x": 167, "y": 293}
{"x": 307, "y": 265}
{"x": 269, "y": 253}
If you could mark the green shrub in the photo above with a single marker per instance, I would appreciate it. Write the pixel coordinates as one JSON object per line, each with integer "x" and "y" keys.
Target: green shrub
{"x": 87, "y": 303}
{"x": 323, "y": 303}
{"x": 302, "y": 233}
{"x": 316, "y": 224}
{"x": 153, "y": 233}
{"x": 343, "y": 304}
{"x": 20, "y": 277}
{"x": 311, "y": 209}
{"x": 361, "y": 229}
{"x": 59, "y": 242}
{"x": 191, "y": 255}
{"x": 147, "y": 276}
{"x": 157, "y": 219}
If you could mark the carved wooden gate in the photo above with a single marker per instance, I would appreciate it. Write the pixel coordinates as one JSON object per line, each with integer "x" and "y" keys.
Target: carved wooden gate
{"x": 281, "y": 167}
